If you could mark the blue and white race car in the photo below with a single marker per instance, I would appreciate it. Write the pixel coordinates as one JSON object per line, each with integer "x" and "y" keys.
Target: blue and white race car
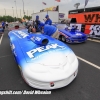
{"x": 67, "y": 34}
{"x": 45, "y": 63}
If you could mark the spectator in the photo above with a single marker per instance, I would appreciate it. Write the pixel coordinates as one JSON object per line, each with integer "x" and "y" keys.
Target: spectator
{"x": 3, "y": 25}
{"x": 29, "y": 25}
{"x": 48, "y": 20}
{"x": 30, "y": 22}
{"x": 33, "y": 23}
{"x": 50, "y": 30}
{"x": 6, "y": 24}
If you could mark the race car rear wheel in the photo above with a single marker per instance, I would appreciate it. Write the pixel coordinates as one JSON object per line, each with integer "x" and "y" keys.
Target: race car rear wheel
{"x": 63, "y": 38}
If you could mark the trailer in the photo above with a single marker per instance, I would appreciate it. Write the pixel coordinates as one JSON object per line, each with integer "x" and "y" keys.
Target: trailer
{"x": 87, "y": 22}
{"x": 54, "y": 16}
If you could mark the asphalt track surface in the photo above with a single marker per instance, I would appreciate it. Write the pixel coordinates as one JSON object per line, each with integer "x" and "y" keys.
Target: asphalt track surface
{"x": 86, "y": 86}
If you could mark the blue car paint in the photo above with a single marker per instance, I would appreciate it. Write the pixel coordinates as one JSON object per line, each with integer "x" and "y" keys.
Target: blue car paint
{"x": 22, "y": 45}
{"x": 74, "y": 37}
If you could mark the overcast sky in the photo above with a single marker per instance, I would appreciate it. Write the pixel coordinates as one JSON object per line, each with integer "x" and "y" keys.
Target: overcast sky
{"x": 31, "y": 6}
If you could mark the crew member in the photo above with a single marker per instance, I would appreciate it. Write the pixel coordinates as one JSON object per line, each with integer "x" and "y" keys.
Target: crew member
{"x": 3, "y": 25}
{"x": 48, "y": 20}
{"x": 50, "y": 30}
{"x": 6, "y": 24}
{"x": 37, "y": 23}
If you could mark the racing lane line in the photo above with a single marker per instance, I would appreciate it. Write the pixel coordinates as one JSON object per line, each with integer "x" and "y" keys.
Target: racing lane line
{"x": 94, "y": 40}
{"x": 1, "y": 39}
{"x": 96, "y": 66}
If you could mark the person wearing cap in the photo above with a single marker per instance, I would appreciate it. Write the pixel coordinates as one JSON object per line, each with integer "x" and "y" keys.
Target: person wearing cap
{"x": 50, "y": 30}
{"x": 37, "y": 22}
{"x": 3, "y": 25}
{"x": 48, "y": 20}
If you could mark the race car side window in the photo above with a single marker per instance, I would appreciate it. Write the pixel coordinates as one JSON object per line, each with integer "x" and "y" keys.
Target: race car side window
{"x": 73, "y": 20}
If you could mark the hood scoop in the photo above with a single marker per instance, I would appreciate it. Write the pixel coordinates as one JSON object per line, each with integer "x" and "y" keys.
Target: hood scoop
{"x": 54, "y": 59}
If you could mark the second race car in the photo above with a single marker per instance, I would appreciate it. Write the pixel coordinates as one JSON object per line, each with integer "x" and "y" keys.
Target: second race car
{"x": 67, "y": 34}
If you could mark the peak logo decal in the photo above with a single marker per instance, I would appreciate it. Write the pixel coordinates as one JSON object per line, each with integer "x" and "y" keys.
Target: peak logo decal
{"x": 42, "y": 49}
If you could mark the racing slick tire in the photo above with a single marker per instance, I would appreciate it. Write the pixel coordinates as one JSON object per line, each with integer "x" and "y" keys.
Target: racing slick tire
{"x": 63, "y": 38}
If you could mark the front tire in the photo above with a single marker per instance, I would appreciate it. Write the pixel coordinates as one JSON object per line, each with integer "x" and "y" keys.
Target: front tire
{"x": 63, "y": 38}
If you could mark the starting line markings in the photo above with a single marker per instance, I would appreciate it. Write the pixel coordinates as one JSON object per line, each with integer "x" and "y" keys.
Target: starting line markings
{"x": 94, "y": 40}
{"x": 1, "y": 39}
{"x": 96, "y": 66}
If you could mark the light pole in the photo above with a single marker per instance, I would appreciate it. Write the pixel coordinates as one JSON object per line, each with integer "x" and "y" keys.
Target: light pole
{"x": 27, "y": 12}
{"x": 16, "y": 8}
{"x": 5, "y": 12}
{"x": 23, "y": 8}
{"x": 13, "y": 13}
{"x": 20, "y": 13}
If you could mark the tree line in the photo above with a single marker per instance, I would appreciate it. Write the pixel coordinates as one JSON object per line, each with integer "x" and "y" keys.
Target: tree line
{"x": 13, "y": 19}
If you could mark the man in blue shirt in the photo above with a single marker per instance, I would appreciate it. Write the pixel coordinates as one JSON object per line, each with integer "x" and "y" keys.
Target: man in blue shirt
{"x": 37, "y": 23}
{"x": 48, "y": 20}
{"x": 50, "y": 30}
{"x": 3, "y": 24}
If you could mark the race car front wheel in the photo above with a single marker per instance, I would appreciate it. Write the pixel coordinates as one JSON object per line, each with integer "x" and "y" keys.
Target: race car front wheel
{"x": 63, "y": 38}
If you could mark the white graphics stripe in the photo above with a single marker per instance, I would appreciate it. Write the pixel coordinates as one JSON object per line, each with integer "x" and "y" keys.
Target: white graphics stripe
{"x": 96, "y": 66}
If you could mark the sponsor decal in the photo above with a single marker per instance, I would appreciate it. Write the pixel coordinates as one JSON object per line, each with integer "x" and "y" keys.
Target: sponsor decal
{"x": 16, "y": 34}
{"x": 95, "y": 30}
{"x": 20, "y": 34}
{"x": 61, "y": 15}
{"x": 52, "y": 84}
{"x": 92, "y": 18}
{"x": 12, "y": 46}
{"x": 78, "y": 34}
{"x": 37, "y": 38}
{"x": 73, "y": 12}
{"x": 77, "y": 25}
{"x": 42, "y": 49}
{"x": 63, "y": 34}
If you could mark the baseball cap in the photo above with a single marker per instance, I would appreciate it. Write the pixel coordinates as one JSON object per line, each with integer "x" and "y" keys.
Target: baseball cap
{"x": 46, "y": 16}
{"x": 37, "y": 16}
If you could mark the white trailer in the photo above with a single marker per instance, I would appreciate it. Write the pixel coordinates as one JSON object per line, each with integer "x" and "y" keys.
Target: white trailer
{"x": 53, "y": 15}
